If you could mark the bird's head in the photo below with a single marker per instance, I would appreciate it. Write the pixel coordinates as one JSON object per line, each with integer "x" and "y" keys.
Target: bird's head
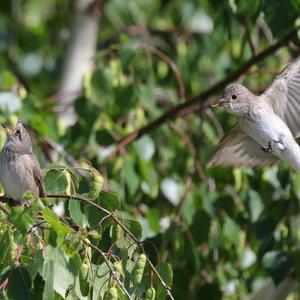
{"x": 18, "y": 139}
{"x": 236, "y": 99}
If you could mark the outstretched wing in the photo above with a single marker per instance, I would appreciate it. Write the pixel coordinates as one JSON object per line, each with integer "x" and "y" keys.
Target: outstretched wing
{"x": 284, "y": 96}
{"x": 237, "y": 149}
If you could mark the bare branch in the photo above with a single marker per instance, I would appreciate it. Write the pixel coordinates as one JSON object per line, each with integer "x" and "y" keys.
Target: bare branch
{"x": 198, "y": 102}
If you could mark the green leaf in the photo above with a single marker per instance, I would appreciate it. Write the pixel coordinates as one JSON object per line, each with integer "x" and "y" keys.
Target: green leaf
{"x": 166, "y": 273}
{"x": 109, "y": 201}
{"x": 131, "y": 223}
{"x": 100, "y": 280}
{"x": 296, "y": 184}
{"x": 278, "y": 263}
{"x": 76, "y": 213}
{"x": 285, "y": 11}
{"x": 131, "y": 177}
{"x": 94, "y": 216}
{"x": 8, "y": 80}
{"x": 145, "y": 147}
{"x": 255, "y": 204}
{"x": 231, "y": 231}
{"x": 103, "y": 137}
{"x": 56, "y": 272}
{"x": 48, "y": 275}
{"x": 200, "y": 226}
{"x": 22, "y": 218}
{"x": 19, "y": 284}
{"x": 52, "y": 219}
{"x": 55, "y": 182}
{"x": 5, "y": 244}
{"x": 134, "y": 227}
{"x": 171, "y": 190}
{"x": 153, "y": 219}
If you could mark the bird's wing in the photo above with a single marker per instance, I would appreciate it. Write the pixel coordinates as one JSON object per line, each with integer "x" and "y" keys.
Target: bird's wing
{"x": 38, "y": 176}
{"x": 284, "y": 96}
{"x": 237, "y": 149}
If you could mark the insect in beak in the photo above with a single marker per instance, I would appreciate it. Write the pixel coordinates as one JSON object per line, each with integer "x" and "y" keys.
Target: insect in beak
{"x": 219, "y": 104}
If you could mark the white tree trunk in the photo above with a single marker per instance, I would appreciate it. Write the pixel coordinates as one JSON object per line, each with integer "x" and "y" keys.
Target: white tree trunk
{"x": 78, "y": 57}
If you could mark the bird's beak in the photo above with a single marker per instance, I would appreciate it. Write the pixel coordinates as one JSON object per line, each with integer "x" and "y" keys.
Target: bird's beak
{"x": 20, "y": 120}
{"x": 220, "y": 103}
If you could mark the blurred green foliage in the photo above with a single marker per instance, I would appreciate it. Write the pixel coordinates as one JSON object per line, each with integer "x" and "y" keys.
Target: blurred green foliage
{"x": 222, "y": 230}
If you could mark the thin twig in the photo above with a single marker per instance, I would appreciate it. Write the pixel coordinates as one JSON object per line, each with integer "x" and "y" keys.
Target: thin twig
{"x": 113, "y": 273}
{"x": 89, "y": 201}
{"x": 69, "y": 158}
{"x": 248, "y": 36}
{"x": 188, "y": 141}
{"x": 4, "y": 209}
{"x": 126, "y": 230}
{"x": 198, "y": 102}
{"x": 163, "y": 56}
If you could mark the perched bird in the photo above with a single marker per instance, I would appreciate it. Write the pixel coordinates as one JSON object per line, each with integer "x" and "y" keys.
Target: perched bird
{"x": 267, "y": 124}
{"x": 20, "y": 171}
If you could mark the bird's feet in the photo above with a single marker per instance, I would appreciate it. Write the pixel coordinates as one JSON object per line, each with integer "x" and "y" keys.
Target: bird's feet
{"x": 269, "y": 149}
{"x": 25, "y": 203}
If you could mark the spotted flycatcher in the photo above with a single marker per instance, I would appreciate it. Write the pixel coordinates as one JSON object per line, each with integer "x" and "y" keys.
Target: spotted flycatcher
{"x": 20, "y": 171}
{"x": 267, "y": 124}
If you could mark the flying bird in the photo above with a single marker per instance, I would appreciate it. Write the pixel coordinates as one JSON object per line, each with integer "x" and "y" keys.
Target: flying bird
{"x": 267, "y": 124}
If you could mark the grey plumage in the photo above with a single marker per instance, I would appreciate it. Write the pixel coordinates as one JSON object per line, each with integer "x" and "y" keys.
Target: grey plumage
{"x": 20, "y": 171}
{"x": 267, "y": 124}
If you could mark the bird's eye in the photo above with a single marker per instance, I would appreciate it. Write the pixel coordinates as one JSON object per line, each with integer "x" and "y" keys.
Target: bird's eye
{"x": 18, "y": 132}
{"x": 233, "y": 97}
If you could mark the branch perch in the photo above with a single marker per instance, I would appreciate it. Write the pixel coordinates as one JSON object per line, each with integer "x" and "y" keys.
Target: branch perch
{"x": 126, "y": 230}
{"x": 198, "y": 102}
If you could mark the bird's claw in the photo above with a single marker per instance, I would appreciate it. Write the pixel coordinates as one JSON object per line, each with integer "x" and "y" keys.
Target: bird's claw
{"x": 25, "y": 203}
{"x": 269, "y": 149}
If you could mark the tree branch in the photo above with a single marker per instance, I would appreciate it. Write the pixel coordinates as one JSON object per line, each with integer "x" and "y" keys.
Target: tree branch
{"x": 198, "y": 102}
{"x": 111, "y": 270}
{"x": 163, "y": 56}
{"x": 126, "y": 230}
{"x": 109, "y": 215}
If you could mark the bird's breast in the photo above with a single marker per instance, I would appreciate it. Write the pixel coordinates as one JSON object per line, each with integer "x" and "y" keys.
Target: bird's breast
{"x": 271, "y": 128}
{"x": 267, "y": 128}
{"x": 16, "y": 175}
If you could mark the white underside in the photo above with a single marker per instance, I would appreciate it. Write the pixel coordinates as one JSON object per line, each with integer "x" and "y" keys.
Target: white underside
{"x": 272, "y": 129}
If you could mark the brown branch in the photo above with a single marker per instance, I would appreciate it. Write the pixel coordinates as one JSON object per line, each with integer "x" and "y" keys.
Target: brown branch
{"x": 198, "y": 102}
{"x": 126, "y": 230}
{"x": 110, "y": 214}
{"x": 139, "y": 31}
